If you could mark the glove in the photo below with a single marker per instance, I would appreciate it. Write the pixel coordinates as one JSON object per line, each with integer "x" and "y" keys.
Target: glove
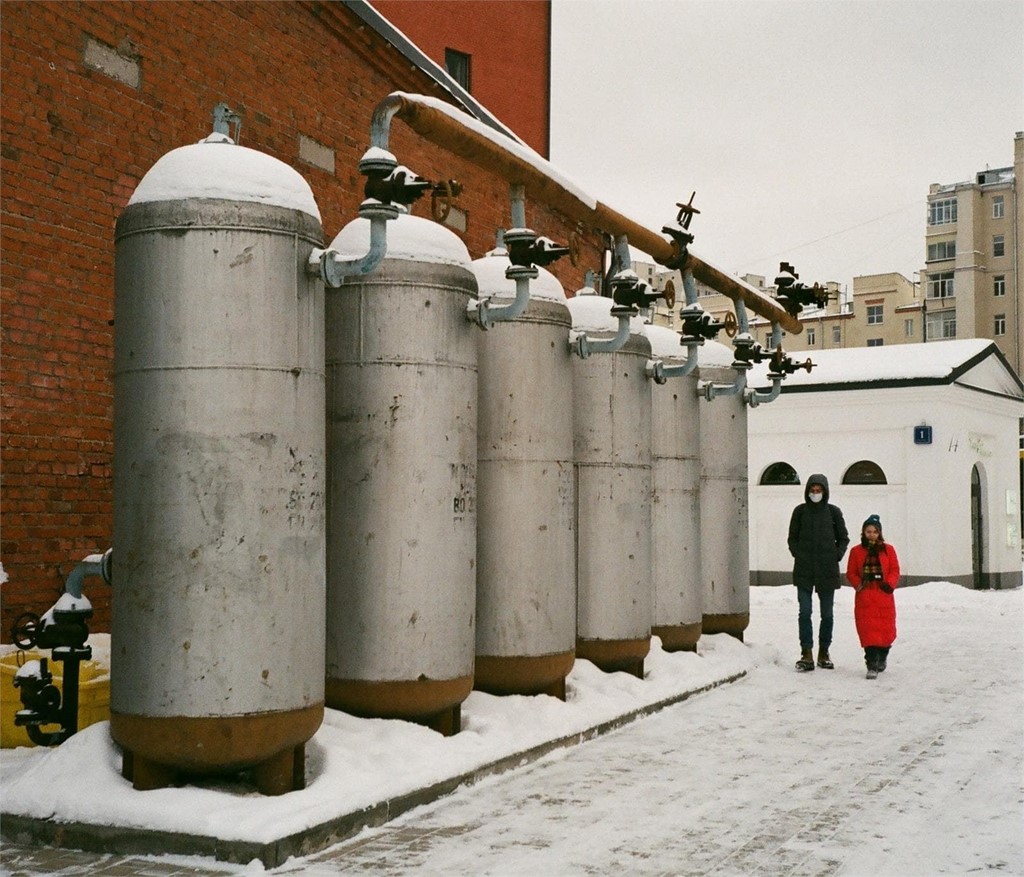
{"x": 885, "y": 589}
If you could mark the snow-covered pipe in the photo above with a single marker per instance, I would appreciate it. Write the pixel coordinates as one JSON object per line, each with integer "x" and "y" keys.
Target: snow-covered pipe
{"x": 93, "y": 565}
{"x": 479, "y": 310}
{"x": 446, "y": 126}
{"x": 656, "y": 369}
{"x": 754, "y": 397}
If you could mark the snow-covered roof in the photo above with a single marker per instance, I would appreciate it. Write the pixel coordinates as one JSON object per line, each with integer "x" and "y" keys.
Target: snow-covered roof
{"x": 976, "y": 363}
{"x": 217, "y": 168}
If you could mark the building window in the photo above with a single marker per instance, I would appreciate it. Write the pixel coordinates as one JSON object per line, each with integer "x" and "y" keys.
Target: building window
{"x": 942, "y": 212}
{"x": 940, "y": 325}
{"x": 999, "y": 285}
{"x": 837, "y": 335}
{"x": 457, "y": 64}
{"x": 940, "y": 285}
{"x": 1000, "y": 325}
{"x": 864, "y": 472}
{"x": 811, "y": 334}
{"x": 908, "y": 328}
{"x": 779, "y": 473}
{"x": 874, "y": 315}
{"x": 999, "y": 245}
{"x": 998, "y": 210}
{"x": 875, "y": 342}
{"x": 942, "y": 250}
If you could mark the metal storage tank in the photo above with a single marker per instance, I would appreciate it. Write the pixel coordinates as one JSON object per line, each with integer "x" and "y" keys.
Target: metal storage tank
{"x": 675, "y": 506}
{"x": 526, "y": 541}
{"x": 724, "y": 514}
{"x": 612, "y": 428}
{"x": 401, "y": 501}
{"x": 218, "y": 550}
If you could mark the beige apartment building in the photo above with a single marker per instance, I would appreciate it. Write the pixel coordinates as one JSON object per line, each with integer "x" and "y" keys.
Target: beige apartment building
{"x": 968, "y": 288}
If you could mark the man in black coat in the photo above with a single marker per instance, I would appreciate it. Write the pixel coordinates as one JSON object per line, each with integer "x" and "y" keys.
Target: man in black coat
{"x": 818, "y": 539}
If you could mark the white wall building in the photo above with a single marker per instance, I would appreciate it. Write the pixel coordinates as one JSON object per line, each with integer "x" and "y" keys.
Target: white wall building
{"x": 926, "y": 436}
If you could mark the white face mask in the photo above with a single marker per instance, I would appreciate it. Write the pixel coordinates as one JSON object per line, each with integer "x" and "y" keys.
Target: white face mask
{"x": 817, "y": 497}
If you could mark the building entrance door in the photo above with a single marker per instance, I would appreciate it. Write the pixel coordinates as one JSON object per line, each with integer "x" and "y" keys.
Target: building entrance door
{"x": 977, "y": 530}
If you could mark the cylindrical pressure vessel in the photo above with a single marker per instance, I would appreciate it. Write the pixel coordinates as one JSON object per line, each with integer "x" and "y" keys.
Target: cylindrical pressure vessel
{"x": 724, "y": 516}
{"x": 526, "y": 541}
{"x": 675, "y": 506}
{"x": 218, "y": 563}
{"x": 612, "y": 426}
{"x": 401, "y": 451}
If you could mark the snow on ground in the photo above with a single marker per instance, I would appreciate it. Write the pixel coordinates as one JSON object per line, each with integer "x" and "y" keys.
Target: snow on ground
{"x": 916, "y": 773}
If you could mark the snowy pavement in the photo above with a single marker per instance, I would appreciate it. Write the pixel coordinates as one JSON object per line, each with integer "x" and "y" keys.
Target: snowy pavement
{"x": 920, "y": 772}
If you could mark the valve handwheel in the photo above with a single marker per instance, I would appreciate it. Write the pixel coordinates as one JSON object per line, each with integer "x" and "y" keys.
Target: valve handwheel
{"x": 24, "y": 630}
{"x": 669, "y": 294}
{"x": 440, "y": 207}
{"x": 731, "y": 325}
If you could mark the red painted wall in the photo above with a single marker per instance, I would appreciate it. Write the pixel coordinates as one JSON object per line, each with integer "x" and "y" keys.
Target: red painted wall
{"x": 75, "y": 143}
{"x": 510, "y": 44}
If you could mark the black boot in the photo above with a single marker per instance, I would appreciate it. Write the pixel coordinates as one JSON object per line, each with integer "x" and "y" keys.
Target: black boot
{"x": 806, "y": 661}
{"x": 824, "y": 661}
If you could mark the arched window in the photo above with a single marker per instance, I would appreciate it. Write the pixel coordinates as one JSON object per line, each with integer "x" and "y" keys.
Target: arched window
{"x": 780, "y": 473}
{"x": 864, "y": 472}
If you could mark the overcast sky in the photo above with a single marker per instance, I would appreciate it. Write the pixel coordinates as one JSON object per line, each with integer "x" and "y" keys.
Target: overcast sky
{"x": 809, "y": 130}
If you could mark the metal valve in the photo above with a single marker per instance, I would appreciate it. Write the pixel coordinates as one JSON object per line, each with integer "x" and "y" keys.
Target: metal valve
{"x": 679, "y": 232}
{"x": 400, "y": 186}
{"x": 782, "y": 364}
{"x": 794, "y": 295}
{"x": 526, "y": 249}
{"x": 699, "y": 325}
{"x": 629, "y": 291}
{"x": 746, "y": 350}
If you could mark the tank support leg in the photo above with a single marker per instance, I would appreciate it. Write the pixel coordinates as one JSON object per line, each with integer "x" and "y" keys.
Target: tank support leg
{"x": 147, "y": 775}
{"x": 276, "y": 775}
{"x": 447, "y": 722}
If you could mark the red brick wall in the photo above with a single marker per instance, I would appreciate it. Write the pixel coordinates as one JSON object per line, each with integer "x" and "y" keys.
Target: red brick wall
{"x": 510, "y": 45}
{"x": 75, "y": 143}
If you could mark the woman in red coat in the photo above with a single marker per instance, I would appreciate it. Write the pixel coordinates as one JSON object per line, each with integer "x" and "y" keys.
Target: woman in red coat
{"x": 874, "y": 570}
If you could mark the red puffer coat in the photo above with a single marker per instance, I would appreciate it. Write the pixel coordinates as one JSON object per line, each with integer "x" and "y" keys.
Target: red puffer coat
{"x": 873, "y": 609}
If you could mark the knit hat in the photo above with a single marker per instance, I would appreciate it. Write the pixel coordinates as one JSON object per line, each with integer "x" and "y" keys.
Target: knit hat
{"x": 872, "y": 521}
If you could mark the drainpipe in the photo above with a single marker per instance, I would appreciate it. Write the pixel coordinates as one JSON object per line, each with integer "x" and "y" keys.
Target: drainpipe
{"x": 656, "y": 369}
{"x": 446, "y": 126}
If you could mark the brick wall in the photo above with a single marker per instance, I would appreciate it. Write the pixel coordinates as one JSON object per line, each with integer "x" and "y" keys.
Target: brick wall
{"x": 93, "y": 94}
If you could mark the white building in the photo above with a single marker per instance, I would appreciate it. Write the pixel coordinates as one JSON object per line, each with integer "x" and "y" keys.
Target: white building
{"x": 924, "y": 435}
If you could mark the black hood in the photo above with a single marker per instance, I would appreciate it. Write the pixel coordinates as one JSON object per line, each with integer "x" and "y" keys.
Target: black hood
{"x": 816, "y": 479}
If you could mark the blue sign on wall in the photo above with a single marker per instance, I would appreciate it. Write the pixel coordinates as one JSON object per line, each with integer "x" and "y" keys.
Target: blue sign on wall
{"x": 922, "y": 435}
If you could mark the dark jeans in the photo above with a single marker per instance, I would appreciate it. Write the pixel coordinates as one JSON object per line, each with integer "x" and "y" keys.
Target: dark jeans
{"x": 826, "y": 600}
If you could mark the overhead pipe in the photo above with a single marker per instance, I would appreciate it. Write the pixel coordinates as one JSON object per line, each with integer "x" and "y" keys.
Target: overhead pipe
{"x": 463, "y": 135}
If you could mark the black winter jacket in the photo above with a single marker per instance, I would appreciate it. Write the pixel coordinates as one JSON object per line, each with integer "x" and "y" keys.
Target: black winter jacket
{"x": 818, "y": 539}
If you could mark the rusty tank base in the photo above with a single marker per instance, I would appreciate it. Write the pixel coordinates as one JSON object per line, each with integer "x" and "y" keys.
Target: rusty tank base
{"x": 615, "y": 655}
{"x": 538, "y": 674}
{"x": 733, "y": 624}
{"x": 678, "y": 637}
{"x": 435, "y": 703}
{"x": 267, "y": 749}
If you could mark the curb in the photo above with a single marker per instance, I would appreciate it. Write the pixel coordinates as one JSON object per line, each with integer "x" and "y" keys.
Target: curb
{"x": 95, "y": 838}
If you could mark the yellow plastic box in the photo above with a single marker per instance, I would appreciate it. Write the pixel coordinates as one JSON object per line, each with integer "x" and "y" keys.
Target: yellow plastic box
{"x": 93, "y": 694}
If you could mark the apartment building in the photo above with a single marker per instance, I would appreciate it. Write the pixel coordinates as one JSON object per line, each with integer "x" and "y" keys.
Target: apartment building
{"x": 974, "y": 258}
